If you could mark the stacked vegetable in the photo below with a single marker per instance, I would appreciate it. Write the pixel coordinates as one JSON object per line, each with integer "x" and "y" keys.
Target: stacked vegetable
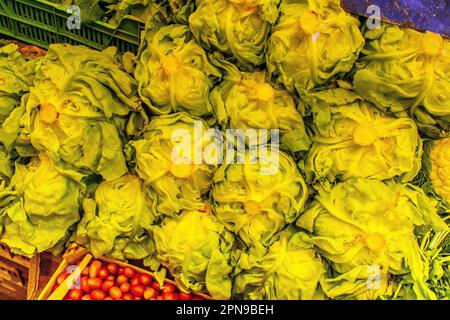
{"x": 356, "y": 206}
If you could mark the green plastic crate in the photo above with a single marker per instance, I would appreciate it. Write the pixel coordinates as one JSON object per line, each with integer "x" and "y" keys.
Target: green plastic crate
{"x": 42, "y": 23}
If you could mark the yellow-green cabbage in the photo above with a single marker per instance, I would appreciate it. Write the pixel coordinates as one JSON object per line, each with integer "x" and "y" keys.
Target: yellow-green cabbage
{"x": 352, "y": 138}
{"x": 314, "y": 42}
{"x": 43, "y": 205}
{"x": 238, "y": 28}
{"x": 247, "y": 100}
{"x": 174, "y": 72}
{"x": 198, "y": 252}
{"x": 408, "y": 73}
{"x": 117, "y": 220}
{"x": 362, "y": 225}
{"x": 16, "y": 77}
{"x": 178, "y": 184}
{"x": 80, "y": 109}
{"x": 290, "y": 270}
{"x": 255, "y": 204}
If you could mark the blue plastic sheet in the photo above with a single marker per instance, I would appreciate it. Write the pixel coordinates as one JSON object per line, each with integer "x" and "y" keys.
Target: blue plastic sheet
{"x": 422, "y": 15}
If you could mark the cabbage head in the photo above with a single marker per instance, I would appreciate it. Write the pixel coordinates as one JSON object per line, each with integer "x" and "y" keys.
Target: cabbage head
{"x": 198, "y": 252}
{"x": 81, "y": 108}
{"x": 408, "y": 73}
{"x": 178, "y": 184}
{"x": 256, "y": 204}
{"x": 290, "y": 270}
{"x": 314, "y": 42}
{"x": 365, "y": 228}
{"x": 16, "y": 76}
{"x": 238, "y": 28}
{"x": 352, "y": 138}
{"x": 117, "y": 220}
{"x": 174, "y": 72}
{"x": 247, "y": 100}
{"x": 44, "y": 203}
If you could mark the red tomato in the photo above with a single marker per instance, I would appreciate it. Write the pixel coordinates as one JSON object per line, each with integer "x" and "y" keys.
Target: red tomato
{"x": 184, "y": 296}
{"x": 86, "y": 297}
{"x": 129, "y": 272}
{"x": 103, "y": 273}
{"x": 98, "y": 294}
{"x": 60, "y": 279}
{"x": 156, "y": 286}
{"x": 94, "y": 283}
{"x": 112, "y": 268}
{"x": 144, "y": 279}
{"x": 84, "y": 284}
{"x": 127, "y": 296}
{"x": 137, "y": 298}
{"x": 134, "y": 281}
{"x": 125, "y": 287}
{"x": 108, "y": 298}
{"x": 115, "y": 292}
{"x": 75, "y": 294}
{"x": 170, "y": 296}
{"x": 121, "y": 279}
{"x": 150, "y": 293}
{"x": 95, "y": 268}
{"x": 85, "y": 271}
{"x": 137, "y": 290}
{"x": 111, "y": 278}
{"x": 120, "y": 270}
{"x": 159, "y": 298}
{"x": 107, "y": 284}
{"x": 168, "y": 288}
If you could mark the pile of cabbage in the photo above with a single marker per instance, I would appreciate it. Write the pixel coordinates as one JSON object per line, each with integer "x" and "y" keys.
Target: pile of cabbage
{"x": 132, "y": 156}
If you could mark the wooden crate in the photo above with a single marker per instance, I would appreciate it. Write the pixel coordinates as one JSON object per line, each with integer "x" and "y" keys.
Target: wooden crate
{"x": 75, "y": 254}
{"x": 23, "y": 278}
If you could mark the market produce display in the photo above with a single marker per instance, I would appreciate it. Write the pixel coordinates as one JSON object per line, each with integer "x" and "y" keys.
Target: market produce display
{"x": 130, "y": 157}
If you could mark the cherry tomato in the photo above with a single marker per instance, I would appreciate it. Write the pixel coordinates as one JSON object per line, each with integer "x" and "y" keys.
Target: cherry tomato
{"x": 129, "y": 272}
{"x": 115, "y": 292}
{"x": 159, "y": 298}
{"x": 98, "y": 294}
{"x": 156, "y": 286}
{"x": 86, "y": 297}
{"x": 137, "y": 290}
{"x": 103, "y": 273}
{"x": 75, "y": 294}
{"x": 84, "y": 284}
{"x": 127, "y": 296}
{"x": 85, "y": 271}
{"x": 111, "y": 278}
{"x": 144, "y": 279}
{"x": 112, "y": 268}
{"x": 108, "y": 298}
{"x": 60, "y": 279}
{"x": 150, "y": 293}
{"x": 170, "y": 296}
{"x": 125, "y": 287}
{"x": 168, "y": 288}
{"x": 121, "y": 279}
{"x": 95, "y": 268}
{"x": 184, "y": 296}
{"x": 134, "y": 281}
{"x": 94, "y": 283}
{"x": 120, "y": 270}
{"x": 107, "y": 284}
